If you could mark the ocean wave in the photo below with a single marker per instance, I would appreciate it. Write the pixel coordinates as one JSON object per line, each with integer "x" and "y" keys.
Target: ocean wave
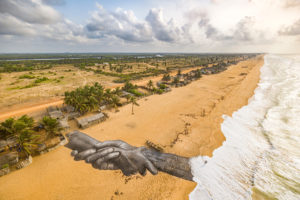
{"x": 261, "y": 151}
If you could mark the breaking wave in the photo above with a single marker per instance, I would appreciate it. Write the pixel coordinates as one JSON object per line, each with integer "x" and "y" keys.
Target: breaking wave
{"x": 262, "y": 148}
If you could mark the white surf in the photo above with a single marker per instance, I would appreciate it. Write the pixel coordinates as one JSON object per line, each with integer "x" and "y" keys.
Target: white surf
{"x": 262, "y": 147}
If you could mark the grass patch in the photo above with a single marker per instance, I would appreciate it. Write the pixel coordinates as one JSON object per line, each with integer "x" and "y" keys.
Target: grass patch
{"x": 40, "y": 80}
{"x": 26, "y": 76}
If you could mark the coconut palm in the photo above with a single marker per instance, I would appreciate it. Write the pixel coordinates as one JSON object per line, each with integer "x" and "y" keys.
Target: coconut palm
{"x": 6, "y": 128}
{"x": 150, "y": 85}
{"x": 51, "y": 126}
{"x": 22, "y": 130}
{"x": 166, "y": 77}
{"x": 128, "y": 96}
{"x": 12, "y": 127}
{"x": 133, "y": 102}
{"x": 118, "y": 91}
{"x": 85, "y": 99}
{"x": 115, "y": 102}
{"x": 26, "y": 141}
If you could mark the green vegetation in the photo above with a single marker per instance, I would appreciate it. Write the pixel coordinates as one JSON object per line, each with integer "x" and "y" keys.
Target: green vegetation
{"x": 51, "y": 126}
{"x": 198, "y": 73}
{"x": 26, "y": 76}
{"x": 4, "y": 166}
{"x": 131, "y": 76}
{"x": 35, "y": 83}
{"x": 90, "y": 98}
{"x": 40, "y": 80}
{"x": 133, "y": 102}
{"x": 150, "y": 85}
{"x": 23, "y": 130}
{"x": 129, "y": 87}
{"x": 85, "y": 99}
{"x": 125, "y": 67}
{"x": 166, "y": 77}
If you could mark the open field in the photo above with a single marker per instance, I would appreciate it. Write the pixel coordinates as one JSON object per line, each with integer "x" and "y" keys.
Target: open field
{"x": 15, "y": 88}
{"x": 185, "y": 121}
{"x": 26, "y": 84}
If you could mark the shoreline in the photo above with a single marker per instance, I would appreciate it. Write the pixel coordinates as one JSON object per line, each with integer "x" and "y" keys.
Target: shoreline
{"x": 183, "y": 121}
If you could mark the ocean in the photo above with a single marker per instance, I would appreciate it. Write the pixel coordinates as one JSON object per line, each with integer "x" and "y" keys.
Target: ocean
{"x": 262, "y": 148}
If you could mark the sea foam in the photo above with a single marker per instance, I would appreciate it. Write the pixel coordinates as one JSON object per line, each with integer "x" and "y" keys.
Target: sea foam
{"x": 262, "y": 147}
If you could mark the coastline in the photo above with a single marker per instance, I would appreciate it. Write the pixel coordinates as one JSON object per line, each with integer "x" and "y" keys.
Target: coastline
{"x": 174, "y": 120}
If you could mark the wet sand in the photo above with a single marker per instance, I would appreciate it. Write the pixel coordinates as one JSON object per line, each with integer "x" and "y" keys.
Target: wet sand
{"x": 185, "y": 121}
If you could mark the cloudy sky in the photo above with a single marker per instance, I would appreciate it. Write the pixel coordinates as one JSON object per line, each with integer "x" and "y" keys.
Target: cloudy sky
{"x": 150, "y": 26}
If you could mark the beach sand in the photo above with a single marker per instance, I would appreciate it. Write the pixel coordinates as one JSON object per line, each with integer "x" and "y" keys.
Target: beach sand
{"x": 185, "y": 121}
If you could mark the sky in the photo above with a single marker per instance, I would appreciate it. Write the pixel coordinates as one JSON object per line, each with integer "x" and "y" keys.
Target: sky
{"x": 191, "y": 26}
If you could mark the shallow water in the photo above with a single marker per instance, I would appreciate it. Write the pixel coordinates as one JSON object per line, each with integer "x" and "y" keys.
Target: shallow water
{"x": 262, "y": 147}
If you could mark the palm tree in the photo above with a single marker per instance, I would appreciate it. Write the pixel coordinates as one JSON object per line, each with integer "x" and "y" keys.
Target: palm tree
{"x": 117, "y": 91}
{"x": 51, "y": 126}
{"x": 12, "y": 127}
{"x": 107, "y": 96}
{"x": 6, "y": 128}
{"x": 22, "y": 130}
{"x": 133, "y": 102}
{"x": 150, "y": 84}
{"x": 85, "y": 99}
{"x": 128, "y": 96}
{"x": 115, "y": 102}
{"x": 26, "y": 141}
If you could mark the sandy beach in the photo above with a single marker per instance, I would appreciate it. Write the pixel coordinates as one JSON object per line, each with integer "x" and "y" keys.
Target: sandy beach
{"x": 185, "y": 121}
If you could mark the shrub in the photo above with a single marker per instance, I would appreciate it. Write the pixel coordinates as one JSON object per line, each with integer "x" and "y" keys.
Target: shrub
{"x": 51, "y": 126}
{"x": 26, "y": 76}
{"x": 158, "y": 90}
{"x": 135, "y": 92}
{"x": 5, "y": 166}
{"x": 162, "y": 86}
{"x": 40, "y": 80}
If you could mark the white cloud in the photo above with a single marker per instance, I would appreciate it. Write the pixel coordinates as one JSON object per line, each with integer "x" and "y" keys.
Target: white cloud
{"x": 121, "y": 24}
{"x": 10, "y": 25}
{"x": 293, "y": 29}
{"x": 31, "y": 11}
{"x": 189, "y": 25}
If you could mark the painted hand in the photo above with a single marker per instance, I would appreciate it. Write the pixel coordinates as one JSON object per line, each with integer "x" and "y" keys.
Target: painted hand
{"x": 112, "y": 155}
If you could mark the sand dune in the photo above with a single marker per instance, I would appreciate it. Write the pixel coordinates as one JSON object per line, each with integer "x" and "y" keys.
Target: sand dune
{"x": 185, "y": 121}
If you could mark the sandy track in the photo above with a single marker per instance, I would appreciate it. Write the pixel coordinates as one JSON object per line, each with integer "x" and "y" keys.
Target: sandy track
{"x": 174, "y": 120}
{"x": 29, "y": 109}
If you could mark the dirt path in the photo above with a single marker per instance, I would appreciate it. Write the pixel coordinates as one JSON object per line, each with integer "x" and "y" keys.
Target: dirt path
{"x": 30, "y": 109}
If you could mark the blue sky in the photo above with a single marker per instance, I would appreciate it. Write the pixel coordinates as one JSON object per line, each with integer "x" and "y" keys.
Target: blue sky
{"x": 150, "y": 26}
{"x": 79, "y": 10}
